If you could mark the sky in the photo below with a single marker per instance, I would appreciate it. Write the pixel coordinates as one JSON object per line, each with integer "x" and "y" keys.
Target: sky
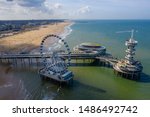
{"x": 74, "y": 9}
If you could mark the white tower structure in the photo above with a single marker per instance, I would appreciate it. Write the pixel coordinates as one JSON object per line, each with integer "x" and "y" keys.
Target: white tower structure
{"x": 129, "y": 67}
{"x": 130, "y": 52}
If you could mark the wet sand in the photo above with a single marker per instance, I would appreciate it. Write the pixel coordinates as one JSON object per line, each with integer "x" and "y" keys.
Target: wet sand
{"x": 26, "y": 41}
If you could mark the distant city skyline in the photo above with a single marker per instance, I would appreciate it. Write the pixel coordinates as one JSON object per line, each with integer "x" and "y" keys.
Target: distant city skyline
{"x": 74, "y": 9}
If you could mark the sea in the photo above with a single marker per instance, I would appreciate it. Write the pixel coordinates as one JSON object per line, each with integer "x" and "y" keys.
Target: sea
{"x": 90, "y": 82}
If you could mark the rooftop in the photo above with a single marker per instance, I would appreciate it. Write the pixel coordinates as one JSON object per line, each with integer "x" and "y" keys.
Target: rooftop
{"x": 90, "y": 44}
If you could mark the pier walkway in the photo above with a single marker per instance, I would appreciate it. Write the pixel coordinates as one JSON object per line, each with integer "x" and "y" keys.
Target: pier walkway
{"x": 108, "y": 59}
{"x": 64, "y": 55}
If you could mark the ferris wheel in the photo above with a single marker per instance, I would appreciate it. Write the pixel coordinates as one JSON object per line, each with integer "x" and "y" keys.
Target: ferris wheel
{"x": 54, "y": 65}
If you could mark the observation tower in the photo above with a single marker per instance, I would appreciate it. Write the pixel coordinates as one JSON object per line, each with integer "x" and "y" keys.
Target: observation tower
{"x": 129, "y": 67}
{"x": 130, "y": 51}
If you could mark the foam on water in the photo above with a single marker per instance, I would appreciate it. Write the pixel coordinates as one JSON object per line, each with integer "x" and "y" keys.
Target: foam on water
{"x": 57, "y": 45}
{"x": 67, "y": 31}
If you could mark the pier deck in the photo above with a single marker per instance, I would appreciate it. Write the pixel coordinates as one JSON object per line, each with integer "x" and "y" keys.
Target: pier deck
{"x": 36, "y": 59}
{"x": 75, "y": 56}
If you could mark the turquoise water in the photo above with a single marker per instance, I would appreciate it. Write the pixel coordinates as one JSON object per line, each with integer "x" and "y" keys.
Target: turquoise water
{"x": 89, "y": 82}
{"x": 104, "y": 32}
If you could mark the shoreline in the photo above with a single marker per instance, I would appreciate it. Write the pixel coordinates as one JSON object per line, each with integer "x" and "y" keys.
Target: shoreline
{"x": 66, "y": 31}
{"x": 28, "y": 41}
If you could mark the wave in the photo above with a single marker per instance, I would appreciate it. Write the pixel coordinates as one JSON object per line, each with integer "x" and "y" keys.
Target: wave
{"x": 6, "y": 85}
{"x": 67, "y": 31}
{"x": 58, "y": 44}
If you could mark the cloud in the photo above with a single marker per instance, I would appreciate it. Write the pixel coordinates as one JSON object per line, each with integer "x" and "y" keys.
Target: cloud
{"x": 28, "y": 3}
{"x": 77, "y": 9}
{"x": 25, "y": 9}
{"x": 84, "y": 9}
{"x": 53, "y": 6}
{"x": 58, "y": 6}
{"x": 9, "y": 0}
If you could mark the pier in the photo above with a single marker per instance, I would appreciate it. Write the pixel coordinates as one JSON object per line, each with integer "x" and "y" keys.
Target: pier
{"x": 15, "y": 58}
{"x": 88, "y": 53}
{"x": 35, "y": 60}
{"x": 96, "y": 60}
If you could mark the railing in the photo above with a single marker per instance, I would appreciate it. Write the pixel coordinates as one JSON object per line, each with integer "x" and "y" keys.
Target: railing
{"x": 11, "y": 56}
{"x": 36, "y": 57}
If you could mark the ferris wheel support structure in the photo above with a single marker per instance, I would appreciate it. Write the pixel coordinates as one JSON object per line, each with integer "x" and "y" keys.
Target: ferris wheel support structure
{"x": 55, "y": 67}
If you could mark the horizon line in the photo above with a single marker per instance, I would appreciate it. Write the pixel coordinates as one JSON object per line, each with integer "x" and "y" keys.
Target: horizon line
{"x": 66, "y": 19}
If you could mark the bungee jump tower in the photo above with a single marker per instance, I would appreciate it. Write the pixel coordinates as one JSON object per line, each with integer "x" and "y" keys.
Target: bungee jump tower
{"x": 129, "y": 67}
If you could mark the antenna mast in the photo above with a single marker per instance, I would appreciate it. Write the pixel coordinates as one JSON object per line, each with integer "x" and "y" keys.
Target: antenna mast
{"x": 132, "y": 33}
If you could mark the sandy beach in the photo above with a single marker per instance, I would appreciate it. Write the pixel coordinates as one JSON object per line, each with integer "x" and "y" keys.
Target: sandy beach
{"x": 29, "y": 40}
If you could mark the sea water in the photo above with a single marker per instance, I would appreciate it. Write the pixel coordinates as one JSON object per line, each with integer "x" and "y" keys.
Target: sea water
{"x": 90, "y": 82}
{"x": 105, "y": 33}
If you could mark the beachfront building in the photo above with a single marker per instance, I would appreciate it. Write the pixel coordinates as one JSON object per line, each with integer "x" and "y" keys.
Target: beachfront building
{"x": 129, "y": 67}
{"x": 90, "y": 48}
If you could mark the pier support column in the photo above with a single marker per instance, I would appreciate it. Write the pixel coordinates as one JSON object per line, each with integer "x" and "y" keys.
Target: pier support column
{"x": 29, "y": 61}
{"x": 16, "y": 61}
{"x": 36, "y": 62}
{"x": 21, "y": 62}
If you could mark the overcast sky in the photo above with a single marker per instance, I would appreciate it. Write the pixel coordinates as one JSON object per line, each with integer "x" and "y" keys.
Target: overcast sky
{"x": 74, "y": 9}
